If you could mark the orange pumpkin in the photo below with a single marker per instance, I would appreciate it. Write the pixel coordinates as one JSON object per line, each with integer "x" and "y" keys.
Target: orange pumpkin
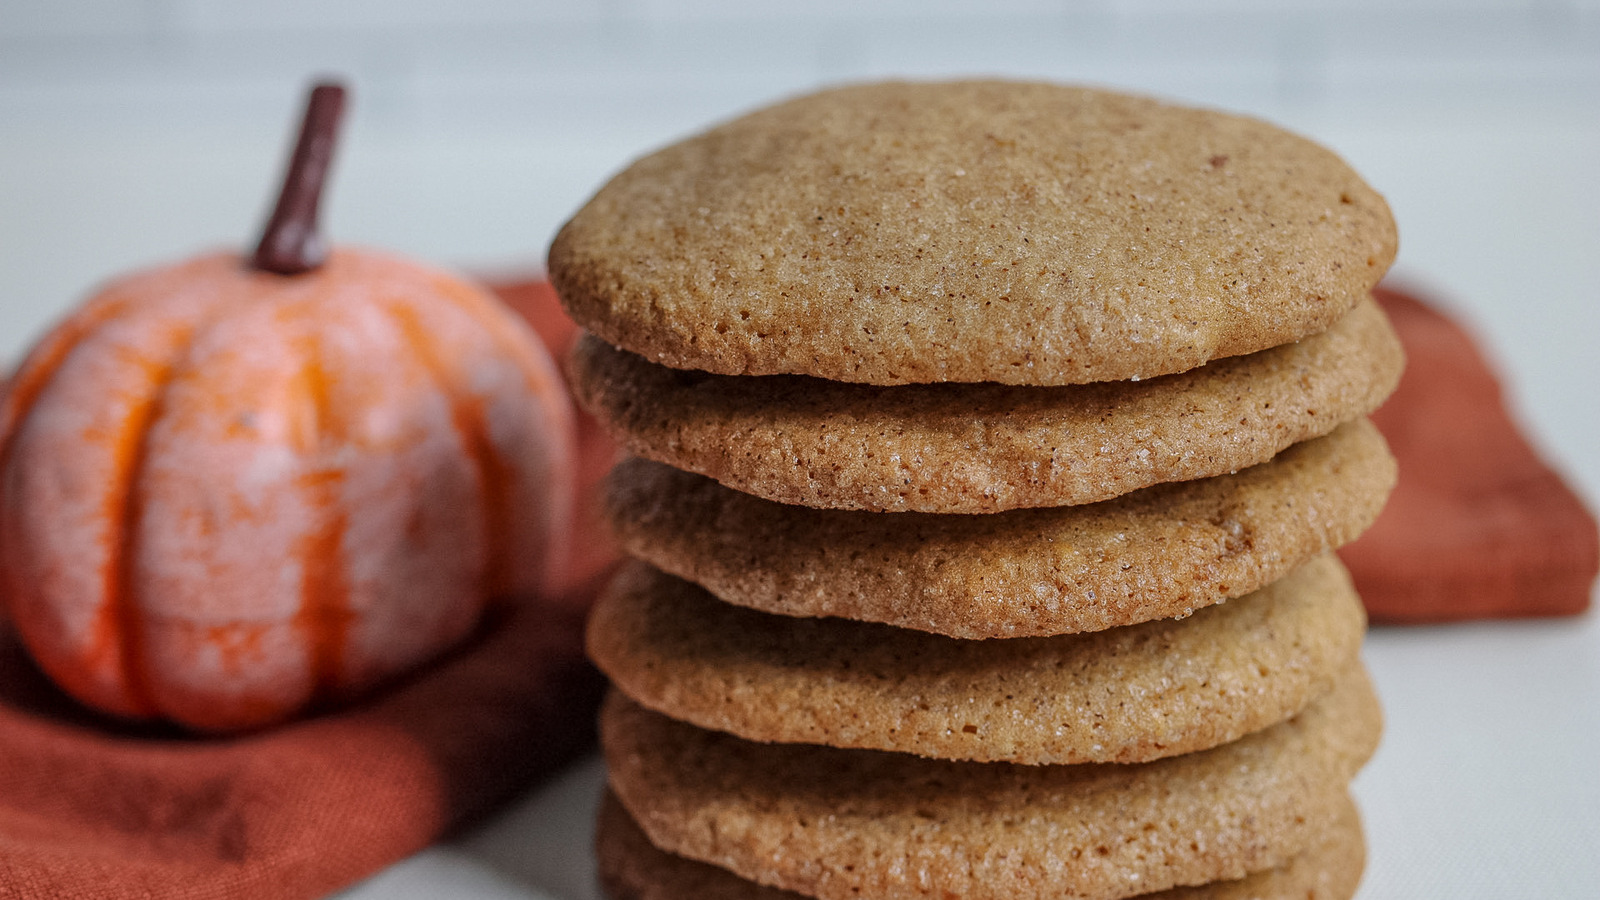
{"x": 226, "y": 495}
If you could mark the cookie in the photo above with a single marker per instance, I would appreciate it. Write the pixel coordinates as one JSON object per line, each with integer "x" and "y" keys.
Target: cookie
{"x": 1122, "y": 695}
{"x": 980, "y": 448}
{"x": 631, "y": 868}
{"x": 839, "y": 824}
{"x": 1157, "y": 553}
{"x": 974, "y": 231}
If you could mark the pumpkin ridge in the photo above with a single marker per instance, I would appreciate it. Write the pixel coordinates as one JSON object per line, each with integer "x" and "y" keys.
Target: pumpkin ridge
{"x": 495, "y": 318}
{"x": 324, "y": 616}
{"x": 469, "y": 422}
{"x": 121, "y": 620}
{"x": 42, "y": 364}
{"x": 18, "y": 395}
{"x": 544, "y": 380}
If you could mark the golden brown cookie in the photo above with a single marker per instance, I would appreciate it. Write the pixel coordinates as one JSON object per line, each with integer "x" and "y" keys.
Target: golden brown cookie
{"x": 838, "y": 824}
{"x": 1011, "y": 232}
{"x": 1122, "y": 695}
{"x": 1157, "y": 553}
{"x": 633, "y": 869}
{"x": 977, "y": 448}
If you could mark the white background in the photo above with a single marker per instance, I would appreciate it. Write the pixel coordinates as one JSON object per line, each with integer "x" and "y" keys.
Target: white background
{"x": 136, "y": 132}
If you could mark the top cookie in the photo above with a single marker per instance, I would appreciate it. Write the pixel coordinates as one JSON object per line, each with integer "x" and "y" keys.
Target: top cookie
{"x": 972, "y": 231}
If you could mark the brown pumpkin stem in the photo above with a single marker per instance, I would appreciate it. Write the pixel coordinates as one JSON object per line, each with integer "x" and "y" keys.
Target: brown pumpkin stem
{"x": 291, "y": 243}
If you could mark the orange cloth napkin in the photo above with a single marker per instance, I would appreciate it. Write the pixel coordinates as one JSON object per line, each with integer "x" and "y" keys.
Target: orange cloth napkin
{"x": 1479, "y": 526}
{"x": 91, "y": 808}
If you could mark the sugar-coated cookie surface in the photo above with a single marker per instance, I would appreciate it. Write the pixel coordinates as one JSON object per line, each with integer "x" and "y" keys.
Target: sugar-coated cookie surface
{"x": 839, "y": 824}
{"x": 1021, "y": 233}
{"x": 631, "y": 868}
{"x": 1157, "y": 553}
{"x": 987, "y": 447}
{"x": 1122, "y": 695}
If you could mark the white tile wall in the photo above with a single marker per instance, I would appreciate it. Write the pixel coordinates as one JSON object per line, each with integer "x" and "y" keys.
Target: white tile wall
{"x": 137, "y": 130}
{"x": 38, "y": 19}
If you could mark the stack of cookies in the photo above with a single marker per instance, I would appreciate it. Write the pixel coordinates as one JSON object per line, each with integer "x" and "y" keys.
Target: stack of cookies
{"x": 990, "y": 441}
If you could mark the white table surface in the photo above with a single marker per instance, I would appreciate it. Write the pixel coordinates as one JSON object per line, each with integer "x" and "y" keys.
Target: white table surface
{"x": 469, "y": 147}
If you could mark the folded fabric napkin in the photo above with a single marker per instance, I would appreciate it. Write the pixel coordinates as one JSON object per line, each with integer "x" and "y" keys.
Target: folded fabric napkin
{"x": 92, "y": 808}
{"x": 1479, "y": 526}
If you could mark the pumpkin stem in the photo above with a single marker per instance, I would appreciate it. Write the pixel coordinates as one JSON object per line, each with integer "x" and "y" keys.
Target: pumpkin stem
{"x": 291, "y": 244}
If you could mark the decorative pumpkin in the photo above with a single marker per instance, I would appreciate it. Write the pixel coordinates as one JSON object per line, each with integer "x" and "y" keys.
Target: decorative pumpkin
{"x": 228, "y": 494}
